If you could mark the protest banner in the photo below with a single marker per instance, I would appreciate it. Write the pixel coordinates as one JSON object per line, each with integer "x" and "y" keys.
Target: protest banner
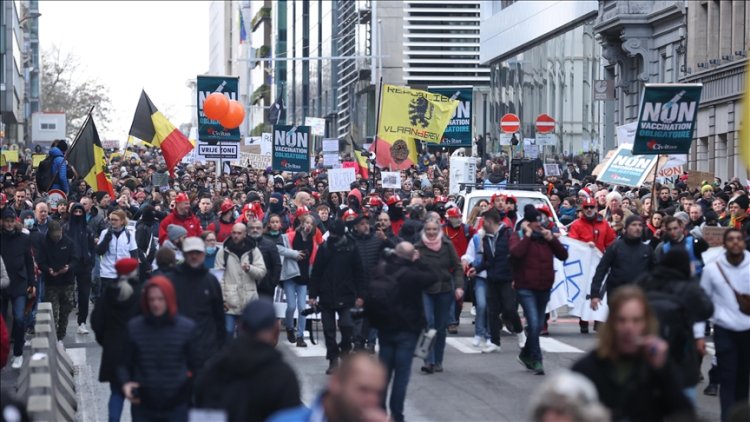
{"x": 696, "y": 178}
{"x": 391, "y": 179}
{"x": 458, "y": 131}
{"x": 290, "y": 149}
{"x": 340, "y": 180}
{"x": 317, "y": 125}
{"x": 551, "y": 170}
{"x": 36, "y": 159}
{"x": 666, "y": 119}
{"x": 211, "y": 130}
{"x": 573, "y": 276}
{"x": 256, "y": 161}
{"x": 627, "y": 170}
{"x": 714, "y": 236}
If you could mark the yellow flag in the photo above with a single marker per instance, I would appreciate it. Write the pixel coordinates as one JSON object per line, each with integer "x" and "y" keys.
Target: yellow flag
{"x": 745, "y": 128}
{"x": 407, "y": 116}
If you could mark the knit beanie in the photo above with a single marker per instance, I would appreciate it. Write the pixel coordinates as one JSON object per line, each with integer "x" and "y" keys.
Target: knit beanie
{"x": 632, "y": 219}
{"x": 175, "y": 232}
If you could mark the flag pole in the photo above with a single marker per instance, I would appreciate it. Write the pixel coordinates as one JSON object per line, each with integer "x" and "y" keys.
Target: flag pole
{"x": 653, "y": 187}
{"x": 80, "y": 130}
{"x": 377, "y": 128}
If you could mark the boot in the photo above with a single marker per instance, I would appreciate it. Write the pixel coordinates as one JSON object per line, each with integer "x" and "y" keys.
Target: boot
{"x": 333, "y": 364}
{"x": 290, "y": 335}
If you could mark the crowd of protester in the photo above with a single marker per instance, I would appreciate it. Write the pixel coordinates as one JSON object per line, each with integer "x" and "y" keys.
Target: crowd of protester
{"x": 182, "y": 279}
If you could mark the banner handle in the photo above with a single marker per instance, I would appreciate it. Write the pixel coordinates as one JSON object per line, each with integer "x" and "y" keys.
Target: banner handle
{"x": 653, "y": 187}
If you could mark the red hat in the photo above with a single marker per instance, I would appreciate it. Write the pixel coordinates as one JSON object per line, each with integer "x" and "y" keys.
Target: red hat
{"x": 349, "y": 213}
{"x": 140, "y": 195}
{"x": 453, "y": 212}
{"x": 510, "y": 198}
{"x": 126, "y": 266}
{"x": 496, "y": 196}
{"x": 545, "y": 209}
{"x": 588, "y": 202}
{"x": 181, "y": 197}
{"x": 375, "y": 202}
{"x": 393, "y": 199}
{"x": 316, "y": 195}
{"x": 586, "y": 192}
{"x": 226, "y": 206}
{"x": 441, "y": 198}
{"x": 301, "y": 211}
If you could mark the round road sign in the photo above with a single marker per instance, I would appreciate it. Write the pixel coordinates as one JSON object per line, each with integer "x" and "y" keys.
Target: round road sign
{"x": 545, "y": 124}
{"x": 510, "y": 123}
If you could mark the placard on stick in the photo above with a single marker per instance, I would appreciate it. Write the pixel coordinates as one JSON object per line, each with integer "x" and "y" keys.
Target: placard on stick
{"x": 391, "y": 179}
{"x": 340, "y": 180}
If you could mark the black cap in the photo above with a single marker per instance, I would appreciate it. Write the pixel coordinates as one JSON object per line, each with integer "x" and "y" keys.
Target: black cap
{"x": 532, "y": 215}
{"x": 8, "y": 212}
{"x": 258, "y": 315}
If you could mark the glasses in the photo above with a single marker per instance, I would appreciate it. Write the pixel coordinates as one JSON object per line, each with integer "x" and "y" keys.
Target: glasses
{"x": 114, "y": 219}
{"x": 589, "y": 208}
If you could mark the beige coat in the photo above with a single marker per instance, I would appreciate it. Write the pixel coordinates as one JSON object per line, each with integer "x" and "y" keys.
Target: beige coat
{"x": 238, "y": 286}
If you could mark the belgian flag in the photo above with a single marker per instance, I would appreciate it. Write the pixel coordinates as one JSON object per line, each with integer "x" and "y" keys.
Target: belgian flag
{"x": 150, "y": 126}
{"x": 360, "y": 157}
{"x": 86, "y": 156}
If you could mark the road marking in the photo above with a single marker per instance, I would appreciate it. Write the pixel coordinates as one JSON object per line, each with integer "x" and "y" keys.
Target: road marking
{"x": 551, "y": 345}
{"x": 463, "y": 345}
{"x": 710, "y": 348}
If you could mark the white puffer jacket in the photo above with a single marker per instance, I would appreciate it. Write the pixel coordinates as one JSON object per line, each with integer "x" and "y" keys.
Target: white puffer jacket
{"x": 239, "y": 287}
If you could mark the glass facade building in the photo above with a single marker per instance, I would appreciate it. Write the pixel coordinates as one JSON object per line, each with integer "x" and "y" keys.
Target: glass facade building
{"x": 554, "y": 76}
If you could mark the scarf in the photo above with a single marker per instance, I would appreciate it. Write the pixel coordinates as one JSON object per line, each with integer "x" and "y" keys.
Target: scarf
{"x": 435, "y": 244}
{"x": 736, "y": 222}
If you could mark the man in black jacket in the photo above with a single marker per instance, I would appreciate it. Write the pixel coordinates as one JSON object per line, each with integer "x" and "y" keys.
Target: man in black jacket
{"x": 58, "y": 261}
{"x": 337, "y": 283}
{"x": 369, "y": 247}
{"x": 199, "y": 298}
{"x": 625, "y": 261}
{"x": 271, "y": 258}
{"x": 670, "y": 283}
{"x": 399, "y": 326}
{"x": 15, "y": 248}
{"x": 249, "y": 379}
{"x": 83, "y": 240}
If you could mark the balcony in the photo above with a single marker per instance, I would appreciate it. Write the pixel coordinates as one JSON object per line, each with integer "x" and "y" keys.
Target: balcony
{"x": 260, "y": 93}
{"x": 263, "y": 52}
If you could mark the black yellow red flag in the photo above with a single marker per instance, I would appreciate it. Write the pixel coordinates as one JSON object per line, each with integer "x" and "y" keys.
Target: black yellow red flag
{"x": 151, "y": 126}
{"x": 86, "y": 156}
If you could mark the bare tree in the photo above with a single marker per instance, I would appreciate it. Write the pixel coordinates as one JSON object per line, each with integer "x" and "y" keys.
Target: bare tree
{"x": 63, "y": 90}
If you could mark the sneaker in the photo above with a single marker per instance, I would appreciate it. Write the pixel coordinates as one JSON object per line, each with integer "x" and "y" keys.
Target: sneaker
{"x": 428, "y": 368}
{"x": 711, "y": 390}
{"x": 301, "y": 342}
{"x": 60, "y": 344}
{"x": 291, "y": 336}
{"x": 438, "y": 367}
{"x": 453, "y": 329}
{"x": 473, "y": 311}
{"x": 82, "y": 329}
{"x": 521, "y": 337}
{"x": 31, "y": 331}
{"x": 491, "y": 348}
{"x": 524, "y": 361}
{"x": 17, "y": 362}
{"x": 477, "y": 341}
{"x": 538, "y": 368}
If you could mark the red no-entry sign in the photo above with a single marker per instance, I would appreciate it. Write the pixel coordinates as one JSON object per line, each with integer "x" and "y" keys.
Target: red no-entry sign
{"x": 545, "y": 124}
{"x": 510, "y": 123}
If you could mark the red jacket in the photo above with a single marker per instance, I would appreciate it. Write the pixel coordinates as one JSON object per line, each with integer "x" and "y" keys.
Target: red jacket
{"x": 224, "y": 231}
{"x": 597, "y": 231}
{"x": 458, "y": 236}
{"x": 191, "y": 223}
{"x": 317, "y": 241}
{"x": 533, "y": 261}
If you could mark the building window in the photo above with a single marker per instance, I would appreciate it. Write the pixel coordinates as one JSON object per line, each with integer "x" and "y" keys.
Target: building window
{"x": 49, "y": 126}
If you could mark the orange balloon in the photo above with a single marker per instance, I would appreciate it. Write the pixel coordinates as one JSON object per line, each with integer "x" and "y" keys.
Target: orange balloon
{"x": 234, "y": 116}
{"x": 215, "y": 106}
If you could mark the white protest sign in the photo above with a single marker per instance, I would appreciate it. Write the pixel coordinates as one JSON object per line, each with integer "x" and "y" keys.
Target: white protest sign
{"x": 331, "y": 145}
{"x": 626, "y": 133}
{"x": 391, "y": 179}
{"x": 256, "y": 161}
{"x": 551, "y": 170}
{"x": 573, "y": 277}
{"x": 330, "y": 159}
{"x": 317, "y": 125}
{"x": 530, "y": 151}
{"x": 462, "y": 170}
{"x": 340, "y": 180}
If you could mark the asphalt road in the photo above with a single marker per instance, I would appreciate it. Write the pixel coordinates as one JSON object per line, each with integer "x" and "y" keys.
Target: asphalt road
{"x": 474, "y": 386}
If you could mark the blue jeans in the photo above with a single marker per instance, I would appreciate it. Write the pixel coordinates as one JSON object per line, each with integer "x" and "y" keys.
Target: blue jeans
{"x": 116, "y": 402}
{"x": 230, "y": 322}
{"x": 534, "y": 303}
{"x": 17, "y": 304}
{"x": 295, "y": 294}
{"x": 396, "y": 352}
{"x": 31, "y": 317}
{"x": 480, "y": 303}
{"x": 437, "y": 309}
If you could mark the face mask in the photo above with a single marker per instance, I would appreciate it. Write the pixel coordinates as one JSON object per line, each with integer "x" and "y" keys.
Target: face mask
{"x": 210, "y": 250}
{"x": 256, "y": 235}
{"x": 273, "y": 232}
{"x": 28, "y": 223}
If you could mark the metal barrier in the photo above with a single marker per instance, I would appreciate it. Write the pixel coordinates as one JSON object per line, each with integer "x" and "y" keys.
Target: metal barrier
{"x": 46, "y": 383}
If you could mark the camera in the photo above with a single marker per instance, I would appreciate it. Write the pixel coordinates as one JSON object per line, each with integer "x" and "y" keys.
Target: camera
{"x": 314, "y": 309}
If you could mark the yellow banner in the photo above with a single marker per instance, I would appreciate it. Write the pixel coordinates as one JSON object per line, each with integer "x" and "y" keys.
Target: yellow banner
{"x": 414, "y": 114}
{"x": 36, "y": 159}
{"x": 407, "y": 116}
{"x": 10, "y": 156}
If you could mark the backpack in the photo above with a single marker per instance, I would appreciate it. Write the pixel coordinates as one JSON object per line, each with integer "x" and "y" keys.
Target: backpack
{"x": 45, "y": 174}
{"x": 383, "y": 292}
{"x": 674, "y": 322}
